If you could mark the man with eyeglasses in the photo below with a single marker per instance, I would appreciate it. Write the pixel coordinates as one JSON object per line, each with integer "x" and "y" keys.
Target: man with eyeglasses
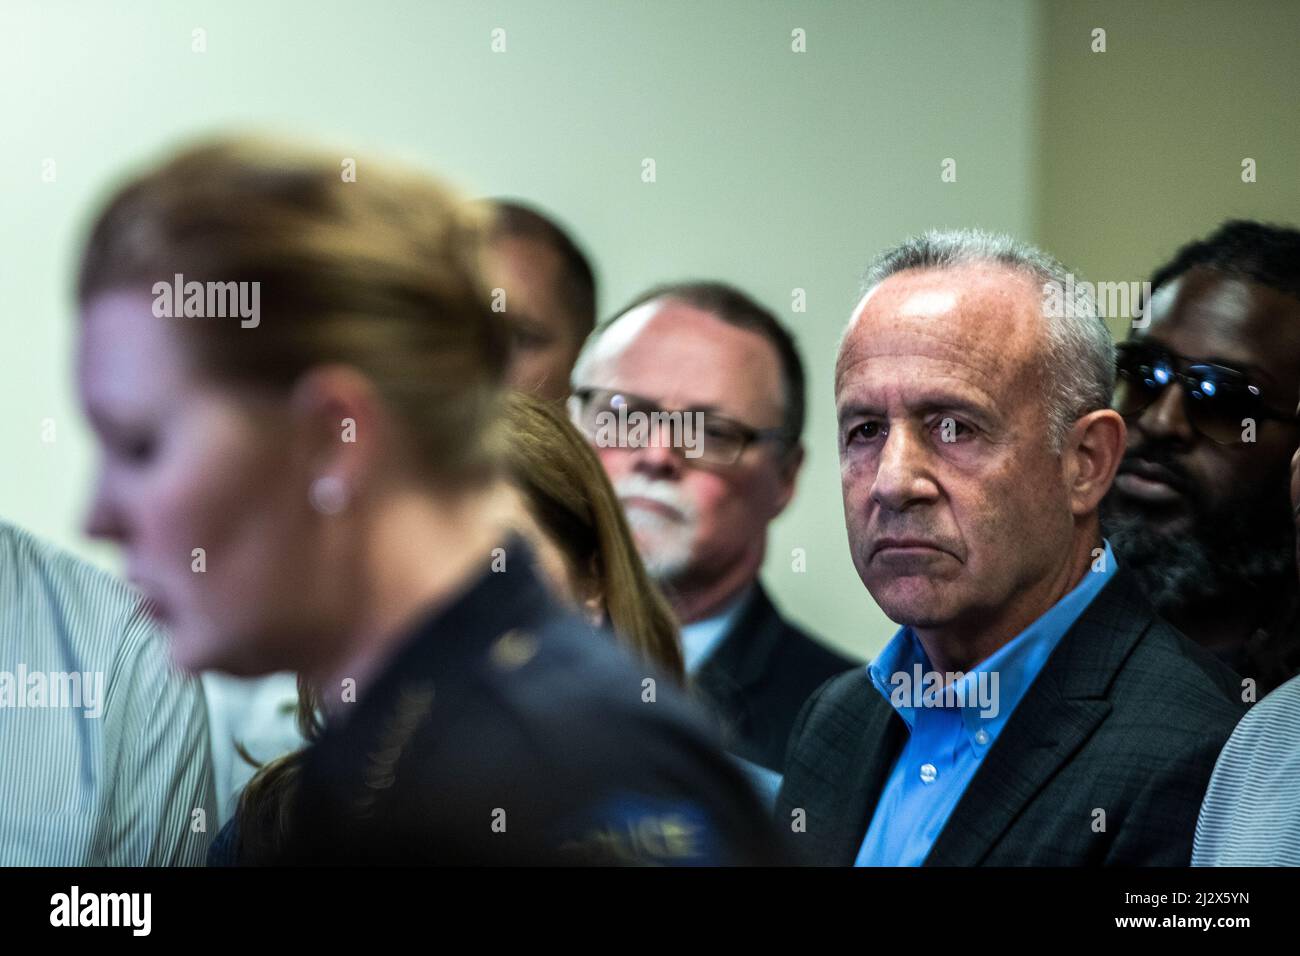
{"x": 699, "y": 510}
{"x": 1199, "y": 509}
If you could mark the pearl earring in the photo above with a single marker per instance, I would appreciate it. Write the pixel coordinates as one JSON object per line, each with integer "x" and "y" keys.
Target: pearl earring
{"x": 328, "y": 494}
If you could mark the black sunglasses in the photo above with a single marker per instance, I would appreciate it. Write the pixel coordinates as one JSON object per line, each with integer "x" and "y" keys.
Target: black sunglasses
{"x": 1217, "y": 399}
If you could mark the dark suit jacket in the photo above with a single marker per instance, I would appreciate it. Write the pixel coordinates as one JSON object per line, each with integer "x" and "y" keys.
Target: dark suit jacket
{"x": 758, "y": 678}
{"x": 1127, "y": 717}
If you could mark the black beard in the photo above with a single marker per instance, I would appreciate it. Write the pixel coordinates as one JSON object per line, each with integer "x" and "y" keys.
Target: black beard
{"x": 1233, "y": 553}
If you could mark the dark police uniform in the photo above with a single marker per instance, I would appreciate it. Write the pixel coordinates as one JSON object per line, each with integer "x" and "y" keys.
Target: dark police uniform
{"x": 507, "y": 731}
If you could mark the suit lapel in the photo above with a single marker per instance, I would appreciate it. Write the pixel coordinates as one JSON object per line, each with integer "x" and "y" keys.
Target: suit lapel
{"x": 1043, "y": 734}
{"x": 842, "y": 785}
{"x": 1060, "y": 711}
{"x": 854, "y": 801}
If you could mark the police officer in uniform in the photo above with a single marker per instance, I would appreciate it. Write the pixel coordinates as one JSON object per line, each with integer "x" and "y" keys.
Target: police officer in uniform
{"x": 337, "y": 466}
{"x": 507, "y": 730}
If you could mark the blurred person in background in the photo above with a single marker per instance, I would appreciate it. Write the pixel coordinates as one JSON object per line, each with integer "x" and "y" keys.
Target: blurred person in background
{"x": 251, "y": 720}
{"x": 297, "y": 461}
{"x": 565, "y": 509}
{"x": 549, "y": 305}
{"x": 103, "y": 746}
{"x": 549, "y": 296}
{"x": 1251, "y": 813}
{"x": 1199, "y": 509}
{"x": 572, "y": 520}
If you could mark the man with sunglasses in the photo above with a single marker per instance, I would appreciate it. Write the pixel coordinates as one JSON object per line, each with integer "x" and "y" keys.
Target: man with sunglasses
{"x": 719, "y": 369}
{"x": 1207, "y": 387}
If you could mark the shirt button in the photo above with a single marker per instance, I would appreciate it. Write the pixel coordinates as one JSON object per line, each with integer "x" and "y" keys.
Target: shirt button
{"x": 981, "y": 737}
{"x": 928, "y": 773}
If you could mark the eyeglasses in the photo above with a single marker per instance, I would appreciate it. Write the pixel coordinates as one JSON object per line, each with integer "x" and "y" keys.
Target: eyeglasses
{"x": 716, "y": 440}
{"x": 1216, "y": 398}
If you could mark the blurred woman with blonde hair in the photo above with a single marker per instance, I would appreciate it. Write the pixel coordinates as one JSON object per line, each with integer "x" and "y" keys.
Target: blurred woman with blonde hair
{"x": 566, "y": 510}
{"x": 294, "y": 376}
{"x": 576, "y": 526}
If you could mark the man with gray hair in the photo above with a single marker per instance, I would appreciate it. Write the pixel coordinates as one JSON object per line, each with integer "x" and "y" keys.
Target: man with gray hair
{"x": 1032, "y": 709}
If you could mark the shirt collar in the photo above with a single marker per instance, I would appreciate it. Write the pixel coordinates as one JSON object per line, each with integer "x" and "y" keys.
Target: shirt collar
{"x": 701, "y": 638}
{"x": 987, "y": 694}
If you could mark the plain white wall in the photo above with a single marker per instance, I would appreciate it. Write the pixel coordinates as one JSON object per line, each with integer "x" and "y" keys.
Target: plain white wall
{"x": 776, "y": 170}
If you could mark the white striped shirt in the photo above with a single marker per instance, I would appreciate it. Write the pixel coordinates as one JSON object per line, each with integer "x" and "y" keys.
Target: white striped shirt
{"x": 1251, "y": 813}
{"x": 104, "y": 755}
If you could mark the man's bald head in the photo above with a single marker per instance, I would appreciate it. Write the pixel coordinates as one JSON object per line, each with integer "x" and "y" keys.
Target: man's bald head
{"x": 1076, "y": 355}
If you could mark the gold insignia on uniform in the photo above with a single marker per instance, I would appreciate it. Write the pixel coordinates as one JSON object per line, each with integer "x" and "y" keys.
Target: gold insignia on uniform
{"x": 513, "y": 649}
{"x": 650, "y": 839}
{"x": 412, "y": 707}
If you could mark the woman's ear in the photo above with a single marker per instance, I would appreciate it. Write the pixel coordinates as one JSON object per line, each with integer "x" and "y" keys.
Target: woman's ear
{"x": 340, "y": 427}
